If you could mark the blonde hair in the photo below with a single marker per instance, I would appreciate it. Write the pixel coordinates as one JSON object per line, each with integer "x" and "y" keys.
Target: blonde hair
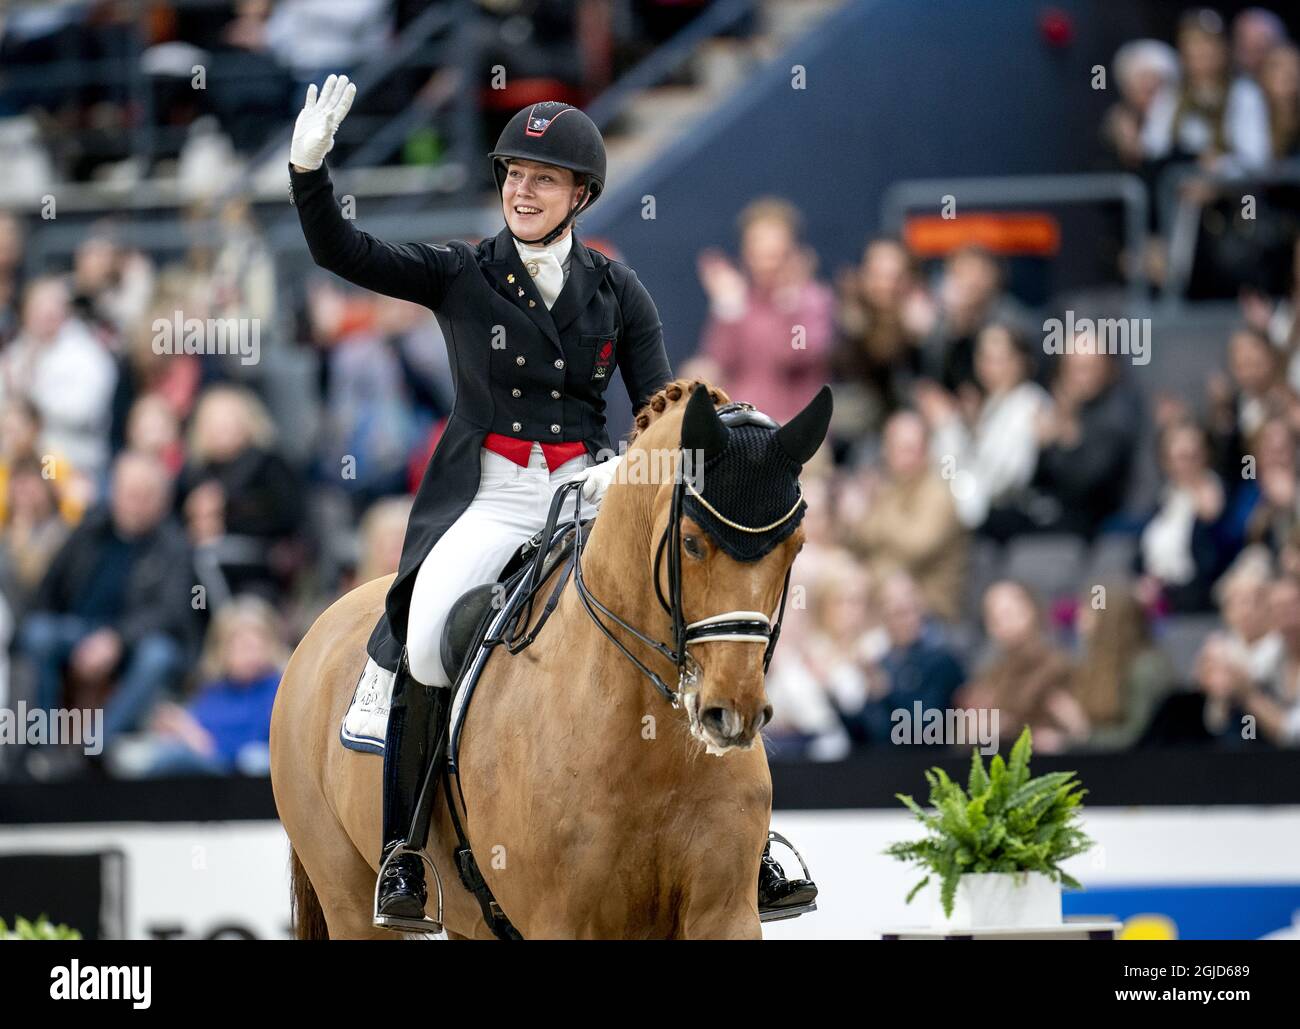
{"x": 1101, "y": 681}
{"x": 388, "y": 513}
{"x": 771, "y": 209}
{"x": 257, "y": 419}
{"x": 242, "y": 609}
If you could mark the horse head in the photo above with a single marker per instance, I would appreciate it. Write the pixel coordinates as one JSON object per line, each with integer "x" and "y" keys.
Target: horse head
{"x": 736, "y": 497}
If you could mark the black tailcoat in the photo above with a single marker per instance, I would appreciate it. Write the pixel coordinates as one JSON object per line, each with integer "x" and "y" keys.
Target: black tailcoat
{"x": 519, "y": 369}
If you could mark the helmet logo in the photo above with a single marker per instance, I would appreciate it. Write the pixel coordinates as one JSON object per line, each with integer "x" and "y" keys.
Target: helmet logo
{"x": 539, "y": 122}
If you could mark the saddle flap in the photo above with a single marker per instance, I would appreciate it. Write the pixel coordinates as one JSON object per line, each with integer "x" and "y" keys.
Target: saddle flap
{"x": 465, "y": 624}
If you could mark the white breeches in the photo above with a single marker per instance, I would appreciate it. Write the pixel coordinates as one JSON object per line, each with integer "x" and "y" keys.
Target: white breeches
{"x": 511, "y": 504}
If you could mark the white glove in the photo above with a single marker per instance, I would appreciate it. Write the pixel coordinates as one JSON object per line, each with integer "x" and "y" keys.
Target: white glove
{"x": 313, "y": 132}
{"x": 596, "y": 479}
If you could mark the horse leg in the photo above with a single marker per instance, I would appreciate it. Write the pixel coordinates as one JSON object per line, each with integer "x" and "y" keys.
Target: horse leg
{"x": 722, "y": 925}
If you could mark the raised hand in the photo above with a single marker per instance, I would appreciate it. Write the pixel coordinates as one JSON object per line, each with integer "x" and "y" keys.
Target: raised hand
{"x": 313, "y": 132}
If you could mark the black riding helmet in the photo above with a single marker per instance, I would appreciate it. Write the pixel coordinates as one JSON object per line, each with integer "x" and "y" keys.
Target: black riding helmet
{"x": 555, "y": 133}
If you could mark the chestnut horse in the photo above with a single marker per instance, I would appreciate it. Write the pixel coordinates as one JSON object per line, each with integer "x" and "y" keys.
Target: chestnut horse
{"x": 595, "y": 808}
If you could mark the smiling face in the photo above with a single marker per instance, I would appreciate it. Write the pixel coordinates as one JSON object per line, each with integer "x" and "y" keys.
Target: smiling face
{"x": 537, "y": 197}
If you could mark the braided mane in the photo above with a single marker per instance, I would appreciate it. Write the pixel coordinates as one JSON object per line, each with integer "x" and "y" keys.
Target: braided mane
{"x": 670, "y": 396}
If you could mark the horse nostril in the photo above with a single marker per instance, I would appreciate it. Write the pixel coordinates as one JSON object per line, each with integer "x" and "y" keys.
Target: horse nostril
{"x": 767, "y": 716}
{"x": 715, "y": 719}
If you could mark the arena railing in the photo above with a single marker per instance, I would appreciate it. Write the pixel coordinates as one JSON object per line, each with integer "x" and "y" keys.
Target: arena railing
{"x": 1180, "y": 212}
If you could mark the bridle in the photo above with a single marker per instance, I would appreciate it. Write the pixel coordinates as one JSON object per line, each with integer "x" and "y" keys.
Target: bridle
{"x": 741, "y": 626}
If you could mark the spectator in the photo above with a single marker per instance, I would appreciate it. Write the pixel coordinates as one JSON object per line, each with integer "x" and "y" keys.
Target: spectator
{"x": 368, "y": 406}
{"x": 111, "y": 287}
{"x": 1086, "y": 440}
{"x": 1268, "y": 506}
{"x": 1275, "y": 703}
{"x": 879, "y": 321}
{"x": 6, "y": 637}
{"x": 31, "y": 532}
{"x": 827, "y": 665}
{"x": 1242, "y": 594}
{"x": 226, "y": 727}
{"x": 1256, "y": 32}
{"x": 115, "y": 606}
{"x": 152, "y": 428}
{"x": 57, "y": 364}
{"x": 910, "y": 523}
{"x": 994, "y": 456}
{"x": 238, "y": 497}
{"x": 916, "y": 669}
{"x": 1208, "y": 712}
{"x": 382, "y": 530}
{"x": 1122, "y": 676}
{"x": 11, "y": 262}
{"x": 970, "y": 296}
{"x": 20, "y": 434}
{"x": 1288, "y": 561}
{"x": 1210, "y": 117}
{"x": 1142, "y": 69}
{"x": 825, "y": 546}
{"x": 1182, "y": 552}
{"x": 1277, "y": 322}
{"x": 314, "y": 39}
{"x": 1279, "y": 78}
{"x": 1028, "y": 679}
{"x": 1239, "y": 405}
{"x": 768, "y": 337}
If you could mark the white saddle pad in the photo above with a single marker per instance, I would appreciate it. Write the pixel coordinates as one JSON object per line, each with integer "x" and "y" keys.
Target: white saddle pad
{"x": 366, "y": 722}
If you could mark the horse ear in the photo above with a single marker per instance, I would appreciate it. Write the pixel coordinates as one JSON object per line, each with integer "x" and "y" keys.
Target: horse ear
{"x": 702, "y": 429}
{"x": 803, "y": 434}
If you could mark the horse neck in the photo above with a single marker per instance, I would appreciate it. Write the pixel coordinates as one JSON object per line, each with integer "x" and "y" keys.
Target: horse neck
{"x": 617, "y": 565}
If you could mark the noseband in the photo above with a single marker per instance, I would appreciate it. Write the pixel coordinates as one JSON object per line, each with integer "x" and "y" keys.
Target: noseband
{"x": 737, "y": 626}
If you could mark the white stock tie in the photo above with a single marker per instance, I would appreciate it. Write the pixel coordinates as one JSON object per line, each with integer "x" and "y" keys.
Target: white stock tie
{"x": 545, "y": 265}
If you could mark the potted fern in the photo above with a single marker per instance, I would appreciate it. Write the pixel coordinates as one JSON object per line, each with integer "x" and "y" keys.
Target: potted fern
{"x": 996, "y": 847}
{"x": 41, "y": 929}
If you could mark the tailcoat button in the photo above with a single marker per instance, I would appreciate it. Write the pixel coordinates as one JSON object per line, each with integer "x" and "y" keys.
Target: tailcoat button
{"x": 555, "y": 394}
{"x": 519, "y": 360}
{"x": 559, "y": 362}
{"x": 555, "y": 429}
{"x": 516, "y": 392}
{"x": 516, "y": 426}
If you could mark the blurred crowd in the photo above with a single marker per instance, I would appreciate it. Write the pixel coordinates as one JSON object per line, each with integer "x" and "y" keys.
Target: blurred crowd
{"x": 1200, "y": 118}
{"x": 97, "y": 89}
{"x": 172, "y": 521}
{"x": 975, "y": 535}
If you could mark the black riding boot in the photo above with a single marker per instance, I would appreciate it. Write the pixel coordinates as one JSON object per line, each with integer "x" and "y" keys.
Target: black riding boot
{"x": 779, "y": 897}
{"x": 413, "y": 742}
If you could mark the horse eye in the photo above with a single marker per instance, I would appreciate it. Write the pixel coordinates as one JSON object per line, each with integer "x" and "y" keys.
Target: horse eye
{"x": 692, "y": 546}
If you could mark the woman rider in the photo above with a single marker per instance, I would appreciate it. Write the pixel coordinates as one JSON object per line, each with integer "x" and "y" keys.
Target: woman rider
{"x": 535, "y": 323}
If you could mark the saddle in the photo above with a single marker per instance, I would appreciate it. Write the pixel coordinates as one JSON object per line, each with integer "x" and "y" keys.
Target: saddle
{"x": 467, "y": 623}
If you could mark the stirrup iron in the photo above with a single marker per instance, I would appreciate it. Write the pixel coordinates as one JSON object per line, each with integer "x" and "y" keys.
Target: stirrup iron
{"x": 782, "y": 914}
{"x": 424, "y": 926}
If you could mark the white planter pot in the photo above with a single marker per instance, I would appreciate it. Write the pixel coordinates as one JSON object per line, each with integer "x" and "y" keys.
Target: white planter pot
{"x": 1001, "y": 900}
